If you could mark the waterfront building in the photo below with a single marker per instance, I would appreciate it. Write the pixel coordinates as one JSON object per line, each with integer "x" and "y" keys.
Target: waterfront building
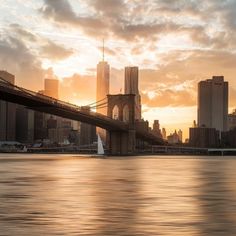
{"x": 232, "y": 120}
{"x": 132, "y": 87}
{"x": 228, "y": 139}
{"x": 180, "y": 134}
{"x": 156, "y": 129}
{"x": 173, "y": 138}
{"x": 7, "y": 113}
{"x": 24, "y": 125}
{"x": 87, "y": 132}
{"x": 163, "y": 133}
{"x": 203, "y": 137}
{"x": 213, "y": 103}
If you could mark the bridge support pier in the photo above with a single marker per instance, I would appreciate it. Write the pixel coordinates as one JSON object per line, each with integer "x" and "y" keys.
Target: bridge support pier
{"x": 122, "y": 143}
{"x": 121, "y": 107}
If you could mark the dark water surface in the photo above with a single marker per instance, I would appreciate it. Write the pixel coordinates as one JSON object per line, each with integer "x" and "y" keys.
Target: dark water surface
{"x": 74, "y": 195}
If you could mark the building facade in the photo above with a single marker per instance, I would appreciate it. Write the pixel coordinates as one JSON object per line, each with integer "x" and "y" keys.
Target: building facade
{"x": 132, "y": 87}
{"x": 51, "y": 88}
{"x": 213, "y": 103}
{"x": 7, "y": 113}
{"x": 203, "y": 137}
{"x": 103, "y": 83}
{"x": 156, "y": 129}
{"x": 24, "y": 125}
{"x": 232, "y": 120}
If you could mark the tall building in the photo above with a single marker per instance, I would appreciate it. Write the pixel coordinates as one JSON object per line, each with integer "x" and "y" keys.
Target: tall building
{"x": 232, "y": 120}
{"x": 103, "y": 77}
{"x": 7, "y": 113}
{"x": 180, "y": 134}
{"x": 103, "y": 83}
{"x": 213, "y": 103}
{"x": 87, "y": 131}
{"x": 131, "y": 87}
{"x": 173, "y": 138}
{"x": 7, "y": 76}
{"x": 156, "y": 129}
{"x": 163, "y": 132}
{"x": 51, "y": 88}
{"x": 24, "y": 125}
{"x": 203, "y": 137}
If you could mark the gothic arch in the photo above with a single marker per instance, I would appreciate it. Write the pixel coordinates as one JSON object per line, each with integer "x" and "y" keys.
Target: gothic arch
{"x": 115, "y": 113}
{"x": 126, "y": 114}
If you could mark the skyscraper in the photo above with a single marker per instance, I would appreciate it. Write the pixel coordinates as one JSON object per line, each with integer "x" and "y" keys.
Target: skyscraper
{"x": 24, "y": 125}
{"x": 163, "y": 132}
{"x": 51, "y": 87}
{"x": 131, "y": 87}
{"x": 103, "y": 77}
{"x": 213, "y": 103}
{"x": 7, "y": 113}
{"x": 180, "y": 134}
{"x": 103, "y": 83}
{"x": 156, "y": 129}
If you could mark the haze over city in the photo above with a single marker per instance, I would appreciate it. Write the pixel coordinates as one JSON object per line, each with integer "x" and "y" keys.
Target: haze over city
{"x": 175, "y": 44}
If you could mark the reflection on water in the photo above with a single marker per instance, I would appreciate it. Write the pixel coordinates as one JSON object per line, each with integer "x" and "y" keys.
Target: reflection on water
{"x": 73, "y": 195}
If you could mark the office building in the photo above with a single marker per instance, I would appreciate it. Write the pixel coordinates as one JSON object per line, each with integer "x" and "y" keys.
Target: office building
{"x": 40, "y": 126}
{"x": 213, "y": 103}
{"x": 163, "y": 133}
{"x": 232, "y": 120}
{"x": 103, "y": 77}
{"x": 7, "y": 113}
{"x": 156, "y": 129}
{"x": 204, "y": 137}
{"x": 173, "y": 138}
{"x": 87, "y": 131}
{"x": 180, "y": 134}
{"x": 7, "y": 76}
{"x": 131, "y": 87}
{"x": 24, "y": 125}
{"x": 102, "y": 90}
{"x": 51, "y": 88}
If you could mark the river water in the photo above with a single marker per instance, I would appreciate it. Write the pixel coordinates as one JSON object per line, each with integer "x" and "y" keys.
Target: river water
{"x": 81, "y": 195}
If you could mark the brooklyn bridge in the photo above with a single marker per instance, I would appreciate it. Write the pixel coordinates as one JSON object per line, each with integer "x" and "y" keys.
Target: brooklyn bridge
{"x": 122, "y": 131}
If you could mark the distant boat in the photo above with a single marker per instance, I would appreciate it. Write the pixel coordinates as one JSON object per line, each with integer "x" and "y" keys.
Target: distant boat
{"x": 100, "y": 146}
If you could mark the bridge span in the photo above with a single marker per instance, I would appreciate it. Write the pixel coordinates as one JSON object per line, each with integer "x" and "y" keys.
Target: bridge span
{"x": 43, "y": 103}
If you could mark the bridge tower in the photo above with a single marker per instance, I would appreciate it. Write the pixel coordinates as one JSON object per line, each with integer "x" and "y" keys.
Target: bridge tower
{"x": 122, "y": 107}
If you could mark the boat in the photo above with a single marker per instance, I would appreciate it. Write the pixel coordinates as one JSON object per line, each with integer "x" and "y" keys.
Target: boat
{"x": 100, "y": 150}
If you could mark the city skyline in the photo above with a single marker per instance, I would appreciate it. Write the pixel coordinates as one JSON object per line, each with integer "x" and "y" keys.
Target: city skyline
{"x": 174, "y": 51}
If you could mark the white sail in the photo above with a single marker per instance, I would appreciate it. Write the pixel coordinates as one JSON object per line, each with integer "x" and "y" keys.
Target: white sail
{"x": 100, "y": 146}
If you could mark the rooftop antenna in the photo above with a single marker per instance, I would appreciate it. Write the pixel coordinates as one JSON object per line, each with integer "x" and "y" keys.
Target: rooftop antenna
{"x": 103, "y": 49}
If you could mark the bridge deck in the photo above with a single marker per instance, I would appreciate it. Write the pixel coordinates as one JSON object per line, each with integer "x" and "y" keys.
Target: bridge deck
{"x": 43, "y": 103}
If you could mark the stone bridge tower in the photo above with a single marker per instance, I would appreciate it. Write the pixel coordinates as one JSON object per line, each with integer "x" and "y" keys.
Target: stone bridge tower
{"x": 122, "y": 107}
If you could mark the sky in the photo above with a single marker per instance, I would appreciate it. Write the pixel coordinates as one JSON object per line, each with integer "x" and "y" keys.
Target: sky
{"x": 175, "y": 44}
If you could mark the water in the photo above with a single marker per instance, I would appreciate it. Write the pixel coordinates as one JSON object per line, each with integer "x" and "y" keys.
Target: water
{"x": 74, "y": 195}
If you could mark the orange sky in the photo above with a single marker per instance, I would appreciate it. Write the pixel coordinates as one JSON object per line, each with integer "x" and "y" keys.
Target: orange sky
{"x": 174, "y": 43}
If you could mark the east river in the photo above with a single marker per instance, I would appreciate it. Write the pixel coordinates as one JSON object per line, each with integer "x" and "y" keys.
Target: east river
{"x": 81, "y": 195}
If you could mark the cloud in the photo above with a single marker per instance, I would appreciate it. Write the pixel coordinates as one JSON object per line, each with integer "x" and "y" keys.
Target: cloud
{"x": 133, "y": 21}
{"x": 55, "y": 51}
{"x": 24, "y": 34}
{"x": 46, "y": 48}
{"x": 16, "y": 58}
{"x": 60, "y": 11}
{"x": 170, "y": 98}
{"x": 78, "y": 89}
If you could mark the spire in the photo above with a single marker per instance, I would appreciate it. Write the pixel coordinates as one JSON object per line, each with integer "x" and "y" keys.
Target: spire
{"x": 103, "y": 49}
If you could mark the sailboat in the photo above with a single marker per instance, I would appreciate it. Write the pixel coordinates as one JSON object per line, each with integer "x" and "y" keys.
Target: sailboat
{"x": 100, "y": 146}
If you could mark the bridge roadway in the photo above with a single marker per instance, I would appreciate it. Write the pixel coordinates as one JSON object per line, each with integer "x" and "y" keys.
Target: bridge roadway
{"x": 42, "y": 103}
